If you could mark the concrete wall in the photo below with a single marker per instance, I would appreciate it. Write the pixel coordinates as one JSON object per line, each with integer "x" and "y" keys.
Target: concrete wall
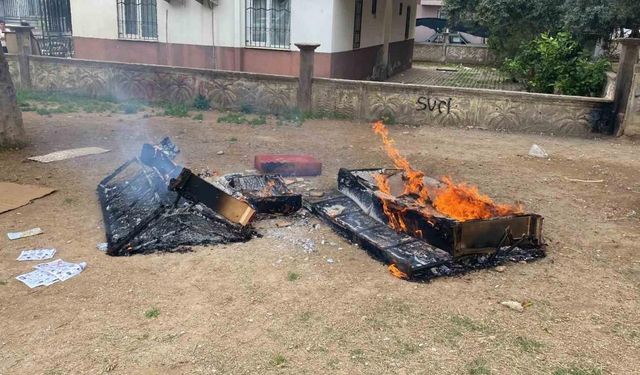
{"x": 453, "y": 53}
{"x": 460, "y": 107}
{"x": 632, "y": 116}
{"x": 359, "y": 100}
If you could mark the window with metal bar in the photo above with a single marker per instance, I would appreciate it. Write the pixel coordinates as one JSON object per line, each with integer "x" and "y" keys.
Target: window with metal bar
{"x": 137, "y": 19}
{"x": 268, "y": 23}
{"x": 357, "y": 25}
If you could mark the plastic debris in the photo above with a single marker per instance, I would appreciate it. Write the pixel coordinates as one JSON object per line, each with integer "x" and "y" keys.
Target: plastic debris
{"x": 23, "y": 234}
{"x": 538, "y": 152}
{"x": 102, "y": 246}
{"x": 513, "y": 305}
{"x": 68, "y": 154}
{"x": 36, "y": 254}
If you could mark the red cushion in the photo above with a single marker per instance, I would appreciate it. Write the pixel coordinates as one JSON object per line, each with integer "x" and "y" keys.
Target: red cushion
{"x": 288, "y": 165}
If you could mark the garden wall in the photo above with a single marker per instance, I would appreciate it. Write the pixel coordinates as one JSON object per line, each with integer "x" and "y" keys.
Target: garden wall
{"x": 632, "y": 116}
{"x": 359, "y": 100}
{"x": 463, "y": 107}
{"x": 229, "y": 90}
{"x": 14, "y": 69}
{"x": 451, "y": 53}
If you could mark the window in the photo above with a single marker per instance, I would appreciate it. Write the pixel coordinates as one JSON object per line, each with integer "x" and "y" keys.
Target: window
{"x": 268, "y": 23}
{"x": 401, "y": 6}
{"x": 357, "y": 25}
{"x": 374, "y": 7}
{"x": 407, "y": 27}
{"x": 137, "y": 19}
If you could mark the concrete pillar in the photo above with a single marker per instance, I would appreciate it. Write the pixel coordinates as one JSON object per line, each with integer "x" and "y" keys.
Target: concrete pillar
{"x": 19, "y": 42}
{"x": 305, "y": 80}
{"x": 388, "y": 27}
{"x": 624, "y": 81}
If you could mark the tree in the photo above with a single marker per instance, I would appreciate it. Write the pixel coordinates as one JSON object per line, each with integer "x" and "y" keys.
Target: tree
{"x": 509, "y": 22}
{"x": 12, "y": 133}
{"x": 514, "y": 22}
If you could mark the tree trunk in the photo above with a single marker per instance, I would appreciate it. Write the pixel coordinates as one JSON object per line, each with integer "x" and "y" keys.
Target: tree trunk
{"x": 11, "y": 130}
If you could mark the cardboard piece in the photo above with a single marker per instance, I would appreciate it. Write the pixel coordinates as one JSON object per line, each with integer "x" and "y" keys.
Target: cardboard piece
{"x": 13, "y": 196}
{"x": 68, "y": 154}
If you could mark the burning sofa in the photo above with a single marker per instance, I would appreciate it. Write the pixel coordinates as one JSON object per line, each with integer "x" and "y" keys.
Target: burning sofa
{"x": 152, "y": 204}
{"x": 425, "y": 227}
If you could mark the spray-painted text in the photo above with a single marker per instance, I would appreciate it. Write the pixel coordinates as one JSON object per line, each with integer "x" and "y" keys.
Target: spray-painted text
{"x": 424, "y": 103}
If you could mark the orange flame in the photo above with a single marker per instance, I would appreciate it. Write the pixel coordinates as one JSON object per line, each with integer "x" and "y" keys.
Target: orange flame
{"x": 397, "y": 273}
{"x": 268, "y": 189}
{"x": 459, "y": 201}
{"x": 415, "y": 183}
{"x": 464, "y": 202}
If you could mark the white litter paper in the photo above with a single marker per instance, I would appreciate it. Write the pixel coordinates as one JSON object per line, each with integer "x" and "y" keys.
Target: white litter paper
{"x": 68, "y": 154}
{"x": 37, "y": 278}
{"x": 26, "y": 233}
{"x": 36, "y": 254}
{"x": 61, "y": 269}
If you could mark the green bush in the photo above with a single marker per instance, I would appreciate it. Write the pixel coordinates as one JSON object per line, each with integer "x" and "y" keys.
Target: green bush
{"x": 557, "y": 65}
{"x": 176, "y": 110}
{"x": 201, "y": 103}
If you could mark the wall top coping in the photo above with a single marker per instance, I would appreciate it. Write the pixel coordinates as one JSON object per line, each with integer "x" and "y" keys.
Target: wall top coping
{"x": 469, "y": 91}
{"x": 163, "y": 68}
{"x": 481, "y": 46}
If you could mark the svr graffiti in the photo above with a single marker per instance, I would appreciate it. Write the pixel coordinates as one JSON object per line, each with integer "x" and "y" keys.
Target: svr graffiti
{"x": 424, "y": 103}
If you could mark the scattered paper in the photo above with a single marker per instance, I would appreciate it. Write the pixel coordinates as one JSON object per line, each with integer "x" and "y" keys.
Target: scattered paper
{"x": 103, "y": 246}
{"x": 13, "y": 195}
{"x": 37, "y": 278}
{"x": 69, "y": 154}
{"x": 36, "y": 254}
{"x": 26, "y": 233}
{"x": 61, "y": 269}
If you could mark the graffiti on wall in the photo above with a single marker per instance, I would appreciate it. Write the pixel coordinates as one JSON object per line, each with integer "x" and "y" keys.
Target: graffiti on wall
{"x": 426, "y": 103}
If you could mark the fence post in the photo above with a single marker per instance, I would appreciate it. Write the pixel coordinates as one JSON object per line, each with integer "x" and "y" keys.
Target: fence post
{"x": 24, "y": 50}
{"x": 305, "y": 80}
{"x": 624, "y": 79}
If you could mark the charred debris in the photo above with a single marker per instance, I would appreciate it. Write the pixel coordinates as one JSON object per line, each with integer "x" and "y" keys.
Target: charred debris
{"x": 151, "y": 203}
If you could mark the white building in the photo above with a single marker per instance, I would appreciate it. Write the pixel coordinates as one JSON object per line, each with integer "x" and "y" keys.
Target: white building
{"x": 358, "y": 39}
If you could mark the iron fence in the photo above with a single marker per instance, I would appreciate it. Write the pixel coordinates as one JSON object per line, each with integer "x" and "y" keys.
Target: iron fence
{"x": 268, "y": 23}
{"x": 137, "y": 19}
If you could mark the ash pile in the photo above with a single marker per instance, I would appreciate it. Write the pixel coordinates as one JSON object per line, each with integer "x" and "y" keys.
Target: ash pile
{"x": 152, "y": 204}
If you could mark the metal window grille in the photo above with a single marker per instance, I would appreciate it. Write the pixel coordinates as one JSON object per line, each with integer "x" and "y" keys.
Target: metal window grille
{"x": 137, "y": 19}
{"x": 268, "y": 23}
{"x": 357, "y": 25}
{"x": 408, "y": 24}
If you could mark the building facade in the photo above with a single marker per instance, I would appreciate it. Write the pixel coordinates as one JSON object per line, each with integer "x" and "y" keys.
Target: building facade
{"x": 359, "y": 39}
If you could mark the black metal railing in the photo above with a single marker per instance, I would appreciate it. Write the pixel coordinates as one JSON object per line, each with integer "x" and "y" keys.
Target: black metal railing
{"x": 268, "y": 23}
{"x": 357, "y": 24}
{"x": 137, "y": 19}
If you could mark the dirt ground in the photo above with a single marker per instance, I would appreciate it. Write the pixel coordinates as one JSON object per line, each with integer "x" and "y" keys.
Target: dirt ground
{"x": 268, "y": 306}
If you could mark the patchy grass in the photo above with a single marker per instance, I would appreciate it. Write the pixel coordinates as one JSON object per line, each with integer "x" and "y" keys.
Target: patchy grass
{"x": 130, "y": 108}
{"x": 48, "y": 102}
{"x": 479, "y": 366}
{"x": 357, "y": 355}
{"x": 293, "y": 276}
{"x": 232, "y": 139}
{"x": 198, "y": 117}
{"x": 306, "y": 316}
{"x": 152, "y": 313}
{"x": 69, "y": 201}
{"x": 241, "y": 119}
{"x": 528, "y": 345}
{"x": 577, "y": 370}
{"x": 278, "y": 360}
{"x": 3, "y": 282}
{"x": 175, "y": 109}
